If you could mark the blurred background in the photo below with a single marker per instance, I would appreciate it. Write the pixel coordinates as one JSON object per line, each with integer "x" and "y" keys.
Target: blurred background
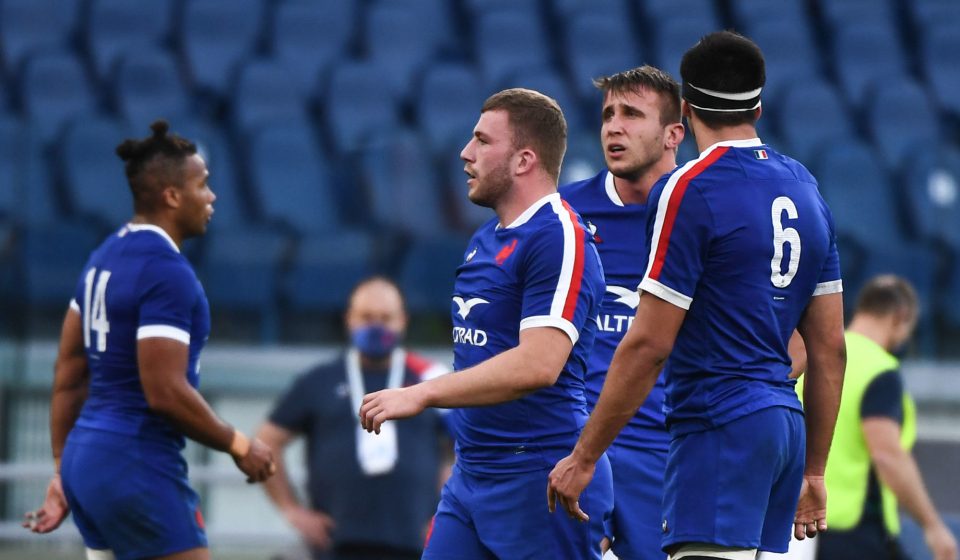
{"x": 332, "y": 129}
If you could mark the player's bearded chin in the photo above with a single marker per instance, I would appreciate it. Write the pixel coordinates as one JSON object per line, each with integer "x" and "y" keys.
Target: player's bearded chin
{"x": 490, "y": 189}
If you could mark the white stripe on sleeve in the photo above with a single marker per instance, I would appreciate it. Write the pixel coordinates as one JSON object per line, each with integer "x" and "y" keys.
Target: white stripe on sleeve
{"x": 551, "y": 321}
{"x": 831, "y": 287}
{"x": 163, "y": 331}
{"x": 665, "y": 293}
{"x": 74, "y": 306}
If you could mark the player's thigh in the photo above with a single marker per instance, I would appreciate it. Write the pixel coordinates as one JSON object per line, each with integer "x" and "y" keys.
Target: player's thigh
{"x": 718, "y": 482}
{"x": 513, "y": 521}
{"x": 453, "y": 535}
{"x": 638, "y": 502}
{"x": 782, "y": 507}
{"x": 137, "y": 496}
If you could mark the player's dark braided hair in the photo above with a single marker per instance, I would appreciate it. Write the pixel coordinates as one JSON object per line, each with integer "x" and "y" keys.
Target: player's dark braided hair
{"x": 153, "y": 163}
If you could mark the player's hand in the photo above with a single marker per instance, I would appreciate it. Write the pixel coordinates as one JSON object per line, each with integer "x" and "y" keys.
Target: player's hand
{"x": 258, "y": 463}
{"x": 942, "y": 544}
{"x": 314, "y": 526}
{"x": 565, "y": 484}
{"x": 811, "y": 517}
{"x": 53, "y": 511}
{"x": 389, "y": 404}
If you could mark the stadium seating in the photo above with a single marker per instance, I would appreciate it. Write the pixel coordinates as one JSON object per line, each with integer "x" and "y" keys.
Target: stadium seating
{"x": 240, "y": 268}
{"x": 933, "y": 12}
{"x": 11, "y": 156}
{"x": 866, "y": 54}
{"x": 51, "y": 258}
{"x": 941, "y": 66}
{"x": 358, "y": 108}
{"x": 572, "y": 10}
{"x": 752, "y": 16}
{"x": 402, "y": 188}
{"x": 148, "y": 86}
{"x": 396, "y": 42}
{"x": 790, "y": 56}
{"x": 584, "y": 157}
{"x": 812, "y": 118}
{"x": 94, "y": 176}
{"x": 674, "y": 36}
{"x": 450, "y": 98}
{"x": 115, "y": 27}
{"x": 900, "y": 117}
{"x": 32, "y": 26}
{"x": 216, "y": 37}
{"x": 931, "y": 195}
{"x": 550, "y": 82}
{"x": 289, "y": 181}
{"x": 308, "y": 37}
{"x": 837, "y": 13}
{"x": 598, "y": 44}
{"x": 427, "y": 273}
{"x": 658, "y": 12}
{"x": 54, "y": 89}
{"x": 510, "y": 42}
{"x": 263, "y": 94}
{"x": 325, "y": 269}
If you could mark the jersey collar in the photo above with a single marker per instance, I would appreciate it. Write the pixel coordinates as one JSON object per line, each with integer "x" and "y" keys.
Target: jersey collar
{"x": 612, "y": 189}
{"x": 156, "y": 229}
{"x": 529, "y": 212}
{"x": 748, "y": 143}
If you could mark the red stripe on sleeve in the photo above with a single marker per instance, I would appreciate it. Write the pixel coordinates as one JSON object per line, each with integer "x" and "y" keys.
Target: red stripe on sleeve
{"x": 673, "y": 206}
{"x": 570, "y": 306}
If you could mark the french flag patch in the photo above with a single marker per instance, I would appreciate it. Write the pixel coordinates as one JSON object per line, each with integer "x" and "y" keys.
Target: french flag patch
{"x": 760, "y": 154}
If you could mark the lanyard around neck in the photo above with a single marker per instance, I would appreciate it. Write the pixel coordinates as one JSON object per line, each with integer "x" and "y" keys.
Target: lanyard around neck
{"x": 398, "y": 359}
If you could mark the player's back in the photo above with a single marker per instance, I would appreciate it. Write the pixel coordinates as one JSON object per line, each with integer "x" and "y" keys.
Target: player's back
{"x": 135, "y": 285}
{"x": 742, "y": 238}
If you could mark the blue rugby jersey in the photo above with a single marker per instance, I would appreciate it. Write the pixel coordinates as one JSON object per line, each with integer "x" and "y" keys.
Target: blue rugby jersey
{"x": 136, "y": 285}
{"x": 619, "y": 233}
{"x": 742, "y": 240}
{"x": 540, "y": 271}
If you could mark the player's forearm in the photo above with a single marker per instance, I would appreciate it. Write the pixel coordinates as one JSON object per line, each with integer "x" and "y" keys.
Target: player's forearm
{"x": 632, "y": 374}
{"x": 190, "y": 414}
{"x": 821, "y": 398}
{"x": 898, "y": 470}
{"x": 505, "y": 377}
{"x": 65, "y": 408}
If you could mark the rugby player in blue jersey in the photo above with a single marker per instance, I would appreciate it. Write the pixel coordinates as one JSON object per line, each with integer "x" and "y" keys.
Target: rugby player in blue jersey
{"x": 640, "y": 131}
{"x": 125, "y": 382}
{"x": 742, "y": 251}
{"x": 524, "y": 312}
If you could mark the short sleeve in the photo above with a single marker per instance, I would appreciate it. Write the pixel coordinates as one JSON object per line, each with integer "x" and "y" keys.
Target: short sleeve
{"x": 678, "y": 235}
{"x": 884, "y": 397}
{"x": 168, "y": 294}
{"x": 829, "y": 281}
{"x": 553, "y": 273}
{"x": 293, "y": 411}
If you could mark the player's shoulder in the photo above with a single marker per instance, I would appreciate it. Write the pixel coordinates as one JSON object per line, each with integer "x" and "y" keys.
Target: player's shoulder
{"x": 585, "y": 189}
{"x": 423, "y": 368}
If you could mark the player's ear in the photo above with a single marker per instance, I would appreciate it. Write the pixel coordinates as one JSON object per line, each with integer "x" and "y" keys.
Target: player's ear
{"x": 684, "y": 108}
{"x": 526, "y": 161}
{"x": 171, "y": 196}
{"x": 673, "y": 136}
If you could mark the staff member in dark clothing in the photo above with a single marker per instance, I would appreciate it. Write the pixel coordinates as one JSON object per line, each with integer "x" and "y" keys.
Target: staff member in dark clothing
{"x": 370, "y": 496}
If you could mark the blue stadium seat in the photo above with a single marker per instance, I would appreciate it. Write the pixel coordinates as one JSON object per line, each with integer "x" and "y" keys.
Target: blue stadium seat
{"x": 676, "y": 35}
{"x": 442, "y": 31}
{"x": 8, "y": 274}
{"x": 508, "y": 42}
{"x": 289, "y": 179}
{"x": 51, "y": 258}
{"x": 94, "y": 175}
{"x": 240, "y": 269}
{"x": 448, "y": 105}
{"x": 940, "y": 64}
{"x": 574, "y": 9}
{"x": 599, "y": 44}
{"x": 812, "y": 117}
{"x": 933, "y": 12}
{"x": 428, "y": 271}
{"x": 900, "y": 117}
{"x": 358, "y": 108}
{"x": 308, "y": 37}
{"x": 790, "y": 55}
{"x": 115, "y": 27}
{"x": 12, "y": 155}
{"x": 838, "y": 13}
{"x": 751, "y": 16}
{"x": 230, "y": 208}
{"x": 864, "y": 55}
{"x": 31, "y": 26}
{"x": 216, "y": 36}
{"x": 549, "y": 82}
{"x": 932, "y": 195}
{"x": 658, "y": 12}
{"x": 951, "y": 310}
{"x": 55, "y": 90}
{"x": 395, "y": 40}
{"x": 325, "y": 269}
{"x": 584, "y": 157}
{"x": 148, "y": 86}
{"x": 402, "y": 188}
{"x": 262, "y": 97}
{"x": 480, "y": 7}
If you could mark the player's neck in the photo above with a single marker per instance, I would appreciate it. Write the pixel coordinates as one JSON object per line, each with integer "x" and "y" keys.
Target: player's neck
{"x": 635, "y": 189}
{"x": 877, "y": 329}
{"x": 520, "y": 197}
{"x": 162, "y": 223}
{"x": 707, "y": 136}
